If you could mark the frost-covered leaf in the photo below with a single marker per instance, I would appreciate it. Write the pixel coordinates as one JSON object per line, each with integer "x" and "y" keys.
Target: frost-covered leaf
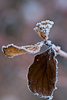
{"x": 12, "y": 50}
{"x": 42, "y": 74}
{"x": 43, "y": 28}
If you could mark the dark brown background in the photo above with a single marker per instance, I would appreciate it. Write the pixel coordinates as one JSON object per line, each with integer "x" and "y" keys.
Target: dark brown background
{"x": 17, "y": 20}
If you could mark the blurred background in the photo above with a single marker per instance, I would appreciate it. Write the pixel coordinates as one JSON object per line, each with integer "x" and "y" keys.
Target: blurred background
{"x": 17, "y": 20}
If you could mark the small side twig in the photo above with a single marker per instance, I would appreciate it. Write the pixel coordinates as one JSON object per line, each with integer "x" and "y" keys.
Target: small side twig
{"x": 56, "y": 48}
{"x": 62, "y": 53}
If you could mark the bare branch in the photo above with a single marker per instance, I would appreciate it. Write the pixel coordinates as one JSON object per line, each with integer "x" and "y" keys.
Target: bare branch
{"x": 62, "y": 53}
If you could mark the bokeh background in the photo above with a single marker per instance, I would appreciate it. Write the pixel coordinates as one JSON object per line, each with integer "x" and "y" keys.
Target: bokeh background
{"x": 17, "y": 20}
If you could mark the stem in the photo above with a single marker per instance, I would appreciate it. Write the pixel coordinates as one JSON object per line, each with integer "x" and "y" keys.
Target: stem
{"x": 57, "y": 49}
{"x": 61, "y": 53}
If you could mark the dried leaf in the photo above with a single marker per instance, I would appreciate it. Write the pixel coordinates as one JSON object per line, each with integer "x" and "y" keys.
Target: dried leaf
{"x": 43, "y": 28}
{"x": 12, "y": 50}
{"x": 42, "y": 74}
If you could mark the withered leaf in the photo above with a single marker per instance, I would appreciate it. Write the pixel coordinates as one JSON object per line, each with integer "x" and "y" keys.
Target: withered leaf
{"x": 12, "y": 50}
{"x": 43, "y": 28}
{"x": 42, "y": 74}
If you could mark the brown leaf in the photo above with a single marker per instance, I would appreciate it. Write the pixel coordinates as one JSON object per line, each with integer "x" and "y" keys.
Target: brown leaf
{"x": 43, "y": 28}
{"x": 42, "y": 74}
{"x": 12, "y": 50}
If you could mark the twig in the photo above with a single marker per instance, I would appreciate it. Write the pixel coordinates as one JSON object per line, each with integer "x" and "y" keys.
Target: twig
{"x": 62, "y": 53}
